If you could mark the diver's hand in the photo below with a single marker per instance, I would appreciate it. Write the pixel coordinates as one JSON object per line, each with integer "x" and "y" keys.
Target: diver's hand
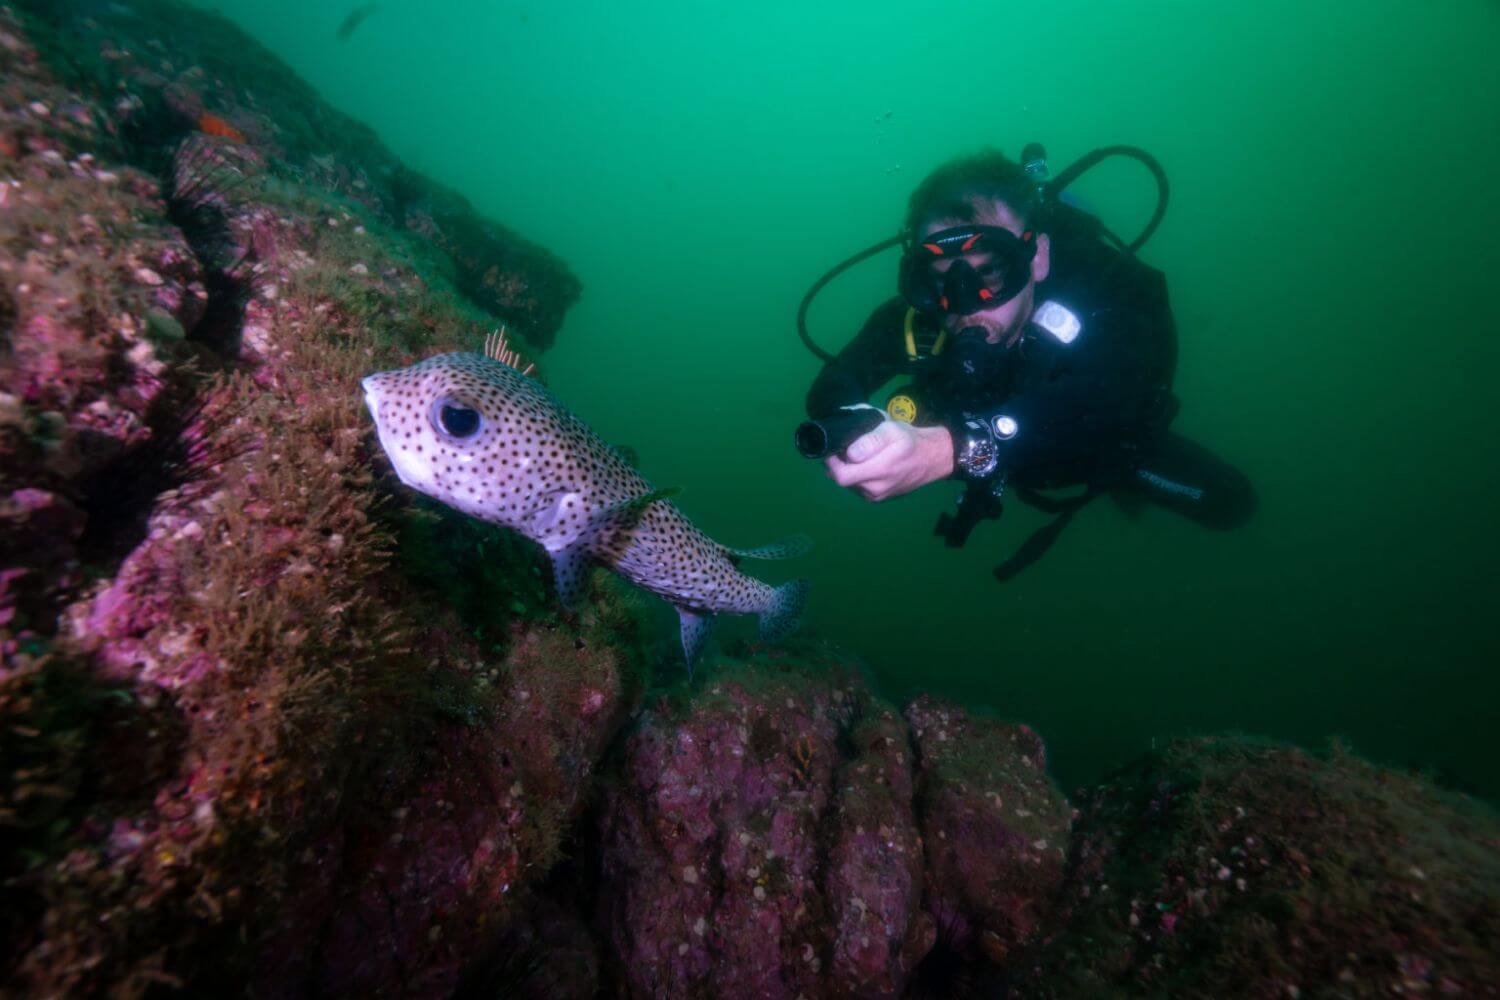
{"x": 893, "y": 459}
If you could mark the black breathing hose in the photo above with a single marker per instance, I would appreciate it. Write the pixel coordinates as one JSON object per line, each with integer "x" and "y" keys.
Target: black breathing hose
{"x": 1163, "y": 190}
{"x": 818, "y": 286}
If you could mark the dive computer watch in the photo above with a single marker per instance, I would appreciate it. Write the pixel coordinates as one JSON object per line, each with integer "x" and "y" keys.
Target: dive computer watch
{"x": 975, "y": 453}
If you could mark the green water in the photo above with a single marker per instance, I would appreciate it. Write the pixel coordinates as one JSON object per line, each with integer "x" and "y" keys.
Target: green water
{"x": 1331, "y": 252}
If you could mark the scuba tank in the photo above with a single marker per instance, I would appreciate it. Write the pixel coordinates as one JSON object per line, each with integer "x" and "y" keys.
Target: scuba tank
{"x": 1034, "y": 162}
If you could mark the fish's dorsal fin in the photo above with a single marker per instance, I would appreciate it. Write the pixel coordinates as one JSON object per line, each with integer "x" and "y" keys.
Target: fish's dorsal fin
{"x": 785, "y": 548}
{"x": 631, "y": 510}
{"x": 624, "y": 515}
{"x": 497, "y": 347}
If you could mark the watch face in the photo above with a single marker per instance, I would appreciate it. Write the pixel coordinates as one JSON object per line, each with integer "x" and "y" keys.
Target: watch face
{"x": 979, "y": 456}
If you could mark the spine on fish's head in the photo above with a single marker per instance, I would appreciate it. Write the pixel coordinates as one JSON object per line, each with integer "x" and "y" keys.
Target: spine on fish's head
{"x": 460, "y": 428}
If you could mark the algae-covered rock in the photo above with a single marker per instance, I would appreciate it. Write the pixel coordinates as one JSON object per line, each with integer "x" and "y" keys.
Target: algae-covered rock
{"x": 451, "y": 837}
{"x": 875, "y": 863}
{"x": 735, "y": 857}
{"x": 251, "y": 740}
{"x": 86, "y": 256}
{"x": 780, "y": 831}
{"x": 169, "y": 70}
{"x": 516, "y": 280}
{"x": 994, "y": 825}
{"x": 1224, "y": 868}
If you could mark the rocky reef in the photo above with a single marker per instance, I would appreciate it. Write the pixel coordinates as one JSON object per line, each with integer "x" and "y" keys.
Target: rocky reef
{"x": 781, "y": 831}
{"x": 272, "y": 725}
{"x": 1228, "y": 867}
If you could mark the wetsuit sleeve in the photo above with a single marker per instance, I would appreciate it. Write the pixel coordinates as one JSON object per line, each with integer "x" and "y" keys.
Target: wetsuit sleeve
{"x": 866, "y": 363}
{"x": 1105, "y": 390}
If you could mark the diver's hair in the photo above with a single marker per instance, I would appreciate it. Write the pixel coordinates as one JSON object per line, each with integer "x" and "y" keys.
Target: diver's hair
{"x": 950, "y": 190}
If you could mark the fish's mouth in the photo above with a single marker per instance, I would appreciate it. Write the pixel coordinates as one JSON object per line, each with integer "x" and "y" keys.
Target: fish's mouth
{"x": 372, "y": 395}
{"x": 408, "y": 469}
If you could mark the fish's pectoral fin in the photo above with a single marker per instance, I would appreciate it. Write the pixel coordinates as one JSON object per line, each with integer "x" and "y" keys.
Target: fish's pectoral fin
{"x": 570, "y": 563}
{"x": 546, "y": 510}
{"x": 570, "y": 574}
{"x": 784, "y": 548}
{"x": 695, "y": 629}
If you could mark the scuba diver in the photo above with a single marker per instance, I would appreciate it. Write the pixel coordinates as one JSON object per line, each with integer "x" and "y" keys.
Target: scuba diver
{"x": 1040, "y": 353}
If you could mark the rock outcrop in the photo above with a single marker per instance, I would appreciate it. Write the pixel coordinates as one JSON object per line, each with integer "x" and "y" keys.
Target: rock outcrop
{"x": 1224, "y": 867}
{"x": 759, "y": 840}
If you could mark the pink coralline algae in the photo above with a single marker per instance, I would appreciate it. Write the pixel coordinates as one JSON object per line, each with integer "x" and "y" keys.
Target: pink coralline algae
{"x": 875, "y": 861}
{"x": 762, "y": 840}
{"x": 428, "y": 875}
{"x": 995, "y": 827}
{"x": 710, "y": 842}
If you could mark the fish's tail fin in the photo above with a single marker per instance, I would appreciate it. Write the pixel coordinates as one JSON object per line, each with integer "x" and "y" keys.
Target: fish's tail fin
{"x": 784, "y": 611}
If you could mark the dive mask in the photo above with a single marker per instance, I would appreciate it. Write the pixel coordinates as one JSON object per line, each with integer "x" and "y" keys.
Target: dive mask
{"x": 966, "y": 269}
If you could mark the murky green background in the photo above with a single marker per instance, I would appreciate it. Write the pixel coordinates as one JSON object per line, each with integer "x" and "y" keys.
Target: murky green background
{"x": 1331, "y": 249}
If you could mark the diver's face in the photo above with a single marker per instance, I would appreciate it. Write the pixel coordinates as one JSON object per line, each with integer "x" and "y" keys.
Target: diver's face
{"x": 1003, "y": 323}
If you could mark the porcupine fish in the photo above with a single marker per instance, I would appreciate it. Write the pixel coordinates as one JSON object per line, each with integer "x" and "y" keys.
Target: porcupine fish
{"x": 473, "y": 432}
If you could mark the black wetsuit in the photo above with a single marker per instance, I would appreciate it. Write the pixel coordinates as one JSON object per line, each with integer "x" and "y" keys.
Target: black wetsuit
{"x": 1091, "y": 413}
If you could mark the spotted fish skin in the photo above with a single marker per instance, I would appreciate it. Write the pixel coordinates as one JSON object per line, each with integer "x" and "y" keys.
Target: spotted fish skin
{"x": 479, "y": 436}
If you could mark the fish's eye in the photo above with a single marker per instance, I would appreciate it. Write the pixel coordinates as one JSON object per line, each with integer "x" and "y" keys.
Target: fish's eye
{"x": 455, "y": 419}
